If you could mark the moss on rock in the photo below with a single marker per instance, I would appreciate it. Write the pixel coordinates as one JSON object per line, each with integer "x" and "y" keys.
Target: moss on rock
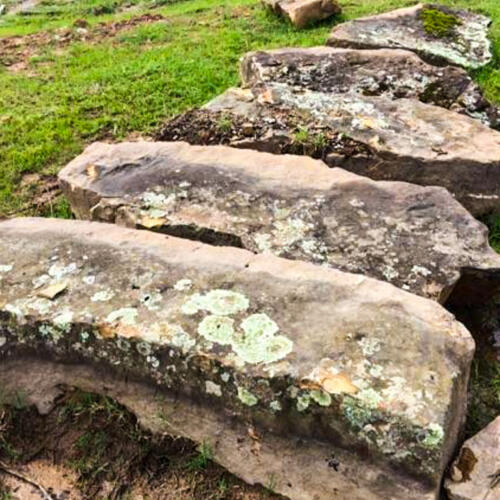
{"x": 439, "y": 23}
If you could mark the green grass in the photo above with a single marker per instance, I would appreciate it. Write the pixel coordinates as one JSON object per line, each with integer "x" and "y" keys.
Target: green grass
{"x": 128, "y": 84}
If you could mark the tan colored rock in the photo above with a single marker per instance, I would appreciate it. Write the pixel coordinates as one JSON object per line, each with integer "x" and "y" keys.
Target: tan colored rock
{"x": 338, "y": 361}
{"x": 416, "y": 238}
{"x": 438, "y": 34}
{"x": 304, "y": 12}
{"x": 385, "y": 72}
{"x": 475, "y": 474}
{"x": 403, "y": 140}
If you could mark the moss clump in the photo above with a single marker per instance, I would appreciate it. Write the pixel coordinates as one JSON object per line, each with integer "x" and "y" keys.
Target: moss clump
{"x": 438, "y": 23}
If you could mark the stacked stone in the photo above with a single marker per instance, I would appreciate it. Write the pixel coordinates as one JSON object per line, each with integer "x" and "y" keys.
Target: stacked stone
{"x": 302, "y": 334}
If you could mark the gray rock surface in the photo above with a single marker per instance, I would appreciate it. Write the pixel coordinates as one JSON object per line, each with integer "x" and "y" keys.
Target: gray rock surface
{"x": 304, "y": 12}
{"x": 475, "y": 474}
{"x": 384, "y": 72}
{"x": 402, "y": 140}
{"x": 439, "y": 34}
{"x": 290, "y": 347}
{"x": 419, "y": 239}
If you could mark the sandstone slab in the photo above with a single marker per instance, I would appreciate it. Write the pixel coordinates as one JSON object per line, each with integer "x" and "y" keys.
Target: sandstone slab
{"x": 403, "y": 140}
{"x": 292, "y": 348}
{"x": 304, "y": 12}
{"x": 438, "y": 34}
{"x": 419, "y": 239}
{"x": 475, "y": 474}
{"x": 384, "y": 72}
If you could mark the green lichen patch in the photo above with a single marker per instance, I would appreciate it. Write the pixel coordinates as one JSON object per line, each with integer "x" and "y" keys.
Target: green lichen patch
{"x": 246, "y": 397}
{"x": 438, "y": 23}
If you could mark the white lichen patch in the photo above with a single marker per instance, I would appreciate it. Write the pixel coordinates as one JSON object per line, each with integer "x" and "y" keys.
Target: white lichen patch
{"x": 58, "y": 270}
{"x": 246, "y": 397}
{"x": 275, "y": 406}
{"x": 183, "y": 285}
{"x": 102, "y": 296}
{"x": 218, "y": 302}
{"x": 63, "y": 320}
{"x": 89, "y": 280}
{"x": 125, "y": 316}
{"x": 369, "y": 345}
{"x": 213, "y": 388}
{"x": 434, "y": 436}
{"x": 218, "y": 329}
{"x": 5, "y": 268}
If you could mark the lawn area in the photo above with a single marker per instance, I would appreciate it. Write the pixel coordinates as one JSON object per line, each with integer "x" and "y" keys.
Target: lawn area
{"x": 65, "y": 91}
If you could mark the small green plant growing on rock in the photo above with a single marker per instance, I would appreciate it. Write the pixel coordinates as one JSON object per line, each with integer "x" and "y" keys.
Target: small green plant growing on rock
{"x": 225, "y": 124}
{"x": 438, "y": 23}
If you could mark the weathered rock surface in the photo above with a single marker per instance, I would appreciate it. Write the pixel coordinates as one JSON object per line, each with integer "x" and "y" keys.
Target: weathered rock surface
{"x": 475, "y": 474}
{"x": 438, "y": 34}
{"x": 384, "y": 72}
{"x": 402, "y": 140}
{"x": 416, "y": 238}
{"x": 304, "y": 12}
{"x": 293, "y": 348}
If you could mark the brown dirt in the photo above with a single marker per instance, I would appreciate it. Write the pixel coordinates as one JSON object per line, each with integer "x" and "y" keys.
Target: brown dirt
{"x": 89, "y": 447}
{"x": 289, "y": 133}
{"x": 16, "y": 51}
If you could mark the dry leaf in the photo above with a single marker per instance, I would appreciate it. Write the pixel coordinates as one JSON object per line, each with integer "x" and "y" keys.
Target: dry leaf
{"x": 337, "y": 384}
{"x": 51, "y": 291}
{"x": 93, "y": 172}
{"x": 152, "y": 222}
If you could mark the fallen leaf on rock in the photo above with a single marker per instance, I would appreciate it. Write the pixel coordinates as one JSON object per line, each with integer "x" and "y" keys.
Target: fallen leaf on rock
{"x": 51, "y": 291}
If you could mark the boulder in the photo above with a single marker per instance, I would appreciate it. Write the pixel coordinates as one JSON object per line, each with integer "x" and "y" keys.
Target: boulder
{"x": 403, "y": 140}
{"x": 327, "y": 365}
{"x": 438, "y": 34}
{"x": 476, "y": 471}
{"x": 304, "y": 12}
{"x": 417, "y": 238}
{"x": 384, "y": 72}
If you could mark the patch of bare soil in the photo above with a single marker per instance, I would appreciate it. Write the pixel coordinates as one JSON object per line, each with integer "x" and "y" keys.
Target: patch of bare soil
{"x": 287, "y": 132}
{"x": 16, "y": 51}
{"x": 89, "y": 447}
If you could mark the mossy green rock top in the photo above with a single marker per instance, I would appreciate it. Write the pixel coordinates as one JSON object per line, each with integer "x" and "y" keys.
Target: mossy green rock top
{"x": 438, "y": 34}
{"x": 292, "y": 347}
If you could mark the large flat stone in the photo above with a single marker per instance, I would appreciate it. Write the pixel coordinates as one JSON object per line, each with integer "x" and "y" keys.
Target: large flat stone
{"x": 403, "y": 140}
{"x": 419, "y": 239}
{"x": 304, "y": 12}
{"x": 475, "y": 474}
{"x": 296, "y": 349}
{"x": 439, "y": 34}
{"x": 385, "y": 72}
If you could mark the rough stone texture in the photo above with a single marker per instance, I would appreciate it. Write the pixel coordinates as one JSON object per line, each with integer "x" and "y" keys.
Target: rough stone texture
{"x": 297, "y": 468}
{"x": 293, "y": 348}
{"x": 475, "y": 474}
{"x": 464, "y": 44}
{"x": 416, "y": 238}
{"x": 385, "y": 72}
{"x": 304, "y": 12}
{"x": 402, "y": 140}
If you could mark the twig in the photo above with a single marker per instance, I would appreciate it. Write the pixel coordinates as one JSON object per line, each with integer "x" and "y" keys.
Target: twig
{"x": 44, "y": 493}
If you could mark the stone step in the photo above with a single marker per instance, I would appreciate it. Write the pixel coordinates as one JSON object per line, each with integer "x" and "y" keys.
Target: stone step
{"x": 323, "y": 359}
{"x": 385, "y": 72}
{"x": 417, "y": 238}
{"x": 438, "y": 34}
{"x": 403, "y": 140}
{"x": 476, "y": 471}
{"x": 302, "y": 13}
